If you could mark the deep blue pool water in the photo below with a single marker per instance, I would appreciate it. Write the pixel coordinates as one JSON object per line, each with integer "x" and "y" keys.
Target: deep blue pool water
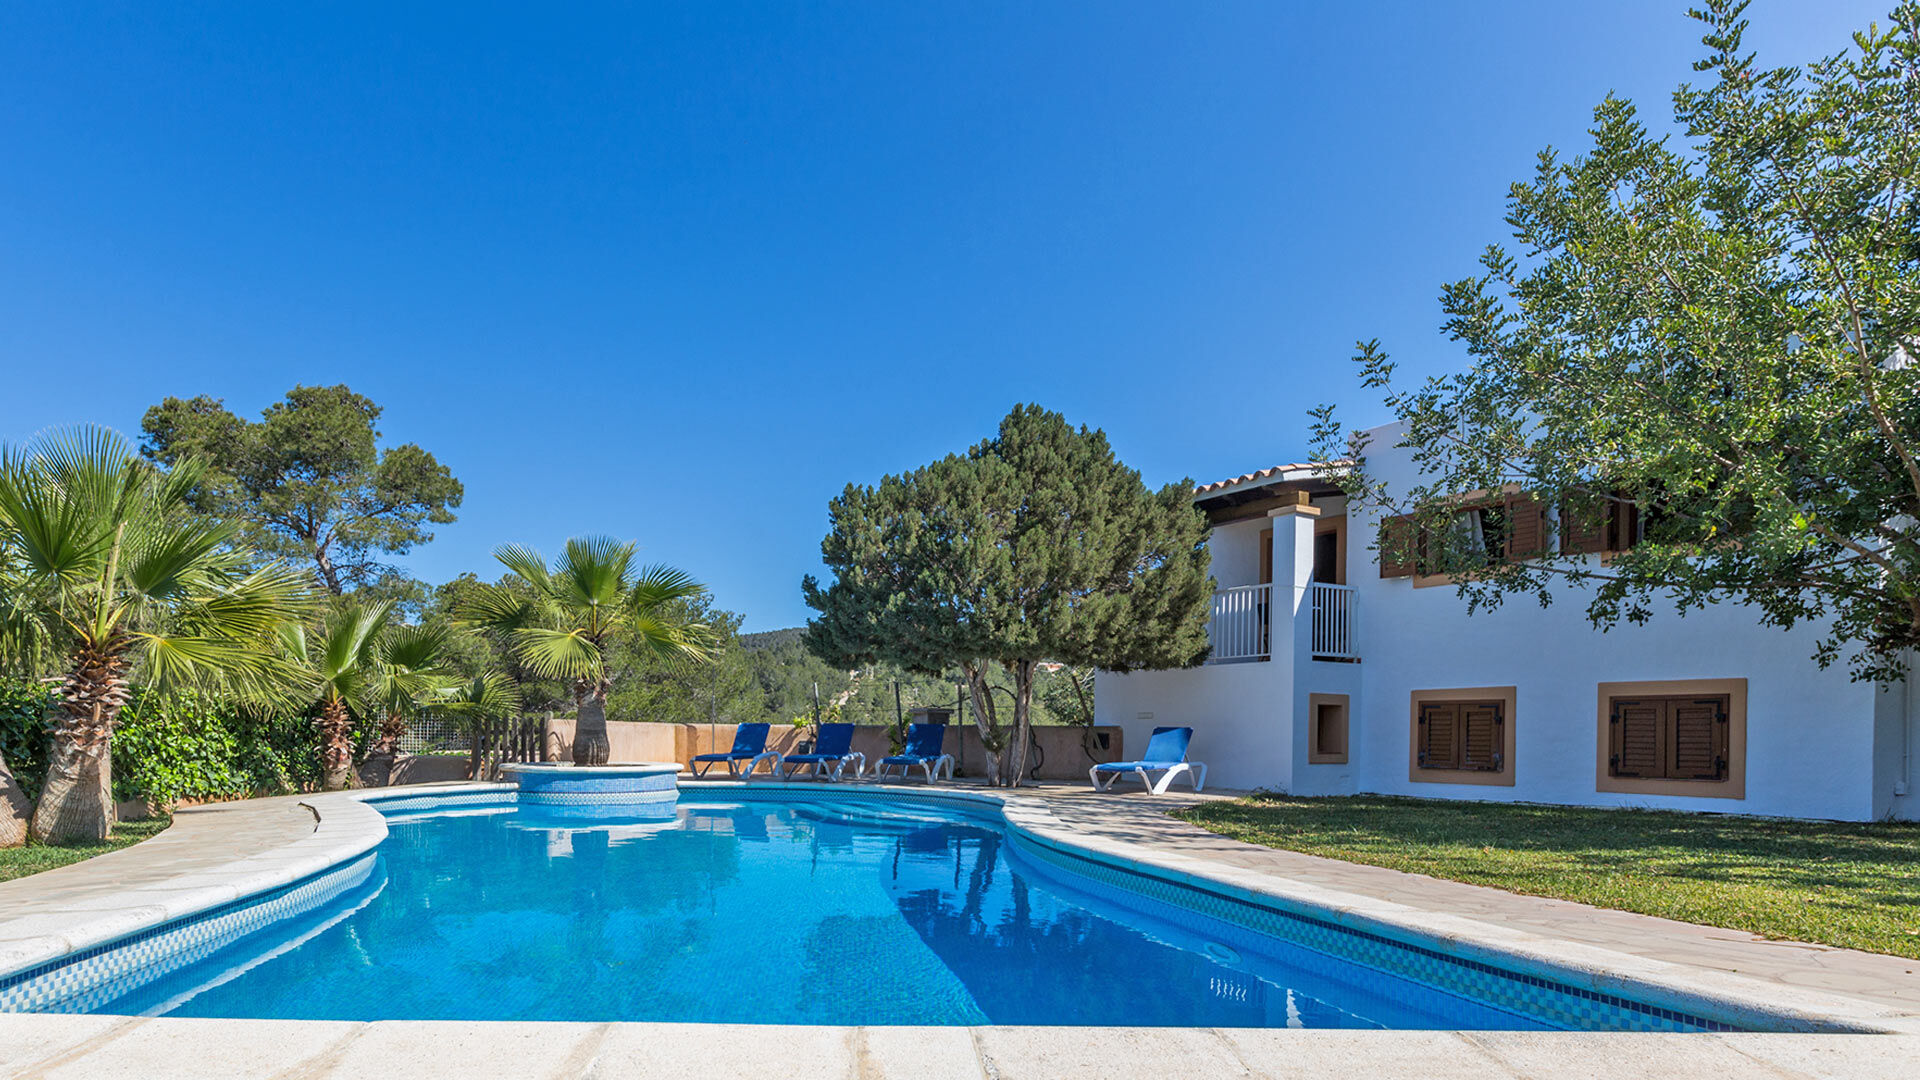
{"x": 827, "y": 912}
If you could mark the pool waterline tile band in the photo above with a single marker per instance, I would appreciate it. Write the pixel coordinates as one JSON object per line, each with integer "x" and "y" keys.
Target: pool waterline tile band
{"x": 97, "y": 975}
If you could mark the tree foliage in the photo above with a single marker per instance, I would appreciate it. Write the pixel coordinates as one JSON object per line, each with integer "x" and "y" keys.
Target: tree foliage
{"x": 310, "y": 481}
{"x": 1714, "y": 331}
{"x": 1038, "y": 544}
{"x": 719, "y": 688}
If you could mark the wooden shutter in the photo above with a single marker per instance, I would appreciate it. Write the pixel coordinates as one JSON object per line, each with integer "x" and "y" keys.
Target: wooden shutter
{"x": 1698, "y": 728}
{"x": 1440, "y": 736}
{"x": 1398, "y": 538}
{"x": 1266, "y": 556}
{"x": 1583, "y": 527}
{"x": 1526, "y": 528}
{"x": 1599, "y": 525}
{"x": 1669, "y": 738}
{"x": 1482, "y": 736}
{"x": 1637, "y": 729}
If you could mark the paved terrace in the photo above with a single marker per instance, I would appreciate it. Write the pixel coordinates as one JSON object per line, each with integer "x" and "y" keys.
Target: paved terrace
{"x": 216, "y": 853}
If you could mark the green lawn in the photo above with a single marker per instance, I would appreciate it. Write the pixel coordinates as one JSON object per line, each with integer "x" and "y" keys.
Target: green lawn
{"x": 1856, "y": 886}
{"x": 21, "y": 861}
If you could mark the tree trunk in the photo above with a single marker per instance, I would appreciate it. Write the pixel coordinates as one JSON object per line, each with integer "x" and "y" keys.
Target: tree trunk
{"x": 15, "y": 809}
{"x": 328, "y": 574}
{"x": 386, "y": 749}
{"x": 77, "y": 802}
{"x": 1022, "y": 721}
{"x": 987, "y": 719}
{"x": 335, "y": 726}
{"x": 590, "y": 745}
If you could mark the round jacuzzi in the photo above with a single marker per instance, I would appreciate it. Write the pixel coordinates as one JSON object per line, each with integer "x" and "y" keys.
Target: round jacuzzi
{"x": 641, "y": 785}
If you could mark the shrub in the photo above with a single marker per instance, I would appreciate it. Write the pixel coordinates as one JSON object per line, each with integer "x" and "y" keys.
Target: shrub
{"x": 184, "y": 745}
{"x": 24, "y": 705}
{"x": 170, "y": 746}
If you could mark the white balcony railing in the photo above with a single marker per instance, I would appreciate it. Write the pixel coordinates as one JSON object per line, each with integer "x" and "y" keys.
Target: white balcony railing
{"x": 1238, "y": 627}
{"x": 1242, "y": 620}
{"x": 1332, "y": 621}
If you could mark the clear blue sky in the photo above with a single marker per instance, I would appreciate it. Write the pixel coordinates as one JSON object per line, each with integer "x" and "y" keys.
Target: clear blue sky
{"x": 679, "y": 272}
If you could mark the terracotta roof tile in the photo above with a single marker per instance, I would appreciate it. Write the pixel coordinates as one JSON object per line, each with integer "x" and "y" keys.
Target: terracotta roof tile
{"x": 1255, "y": 477}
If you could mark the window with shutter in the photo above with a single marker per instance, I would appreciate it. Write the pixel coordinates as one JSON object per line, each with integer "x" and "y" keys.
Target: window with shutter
{"x": 1669, "y": 738}
{"x": 1675, "y": 737}
{"x": 1466, "y": 735}
{"x": 1461, "y": 735}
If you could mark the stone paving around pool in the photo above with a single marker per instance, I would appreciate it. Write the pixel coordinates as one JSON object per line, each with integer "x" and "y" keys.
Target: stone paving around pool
{"x": 215, "y": 854}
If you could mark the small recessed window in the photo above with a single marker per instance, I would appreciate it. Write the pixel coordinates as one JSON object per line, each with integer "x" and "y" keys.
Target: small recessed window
{"x": 1327, "y": 730}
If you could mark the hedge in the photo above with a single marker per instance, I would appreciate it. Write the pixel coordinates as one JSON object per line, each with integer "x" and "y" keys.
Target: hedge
{"x": 170, "y": 745}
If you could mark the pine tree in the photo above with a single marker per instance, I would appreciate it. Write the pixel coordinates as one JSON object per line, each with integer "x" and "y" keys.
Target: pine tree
{"x": 1038, "y": 544}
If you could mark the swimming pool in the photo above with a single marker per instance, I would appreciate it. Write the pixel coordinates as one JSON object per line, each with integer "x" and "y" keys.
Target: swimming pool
{"x": 785, "y": 906}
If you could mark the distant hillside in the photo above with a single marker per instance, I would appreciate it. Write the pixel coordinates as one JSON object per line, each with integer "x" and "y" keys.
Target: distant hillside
{"x": 771, "y": 639}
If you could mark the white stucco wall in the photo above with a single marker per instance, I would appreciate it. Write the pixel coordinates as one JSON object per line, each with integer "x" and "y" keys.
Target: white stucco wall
{"x": 1818, "y": 744}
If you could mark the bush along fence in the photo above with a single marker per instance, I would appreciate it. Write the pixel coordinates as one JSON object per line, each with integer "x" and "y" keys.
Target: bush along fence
{"x": 171, "y": 746}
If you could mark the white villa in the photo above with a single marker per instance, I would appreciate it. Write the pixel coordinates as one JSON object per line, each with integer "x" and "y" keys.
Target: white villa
{"x": 1333, "y": 674}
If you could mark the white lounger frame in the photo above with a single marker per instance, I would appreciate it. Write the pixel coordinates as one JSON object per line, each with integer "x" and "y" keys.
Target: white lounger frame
{"x": 780, "y": 766}
{"x": 944, "y": 761}
{"x": 1196, "y": 774}
{"x": 733, "y": 765}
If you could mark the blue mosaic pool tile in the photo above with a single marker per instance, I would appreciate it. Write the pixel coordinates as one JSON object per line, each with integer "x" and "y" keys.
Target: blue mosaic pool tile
{"x": 613, "y": 798}
{"x": 414, "y": 804}
{"x": 92, "y": 977}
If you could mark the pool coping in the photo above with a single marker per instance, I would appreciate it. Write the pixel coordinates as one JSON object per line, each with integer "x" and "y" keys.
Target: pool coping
{"x": 90, "y": 907}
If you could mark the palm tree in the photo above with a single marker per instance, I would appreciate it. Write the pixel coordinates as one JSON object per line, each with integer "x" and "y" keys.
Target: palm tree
{"x": 560, "y": 623}
{"x": 471, "y": 704}
{"x": 413, "y": 670}
{"x": 339, "y": 675}
{"x": 106, "y": 569}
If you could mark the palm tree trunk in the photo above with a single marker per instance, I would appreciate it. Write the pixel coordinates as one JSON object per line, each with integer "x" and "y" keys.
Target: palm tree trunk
{"x": 335, "y": 726}
{"x": 590, "y": 743}
{"x": 386, "y": 749}
{"x": 77, "y": 802}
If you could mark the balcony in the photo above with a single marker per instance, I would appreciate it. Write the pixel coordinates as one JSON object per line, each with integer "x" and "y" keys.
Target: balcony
{"x": 1241, "y": 626}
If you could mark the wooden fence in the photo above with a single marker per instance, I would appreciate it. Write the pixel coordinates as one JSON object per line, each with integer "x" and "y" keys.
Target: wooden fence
{"x": 520, "y": 738}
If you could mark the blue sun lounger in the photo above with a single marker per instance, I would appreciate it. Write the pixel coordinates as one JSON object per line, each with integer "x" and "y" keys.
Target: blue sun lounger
{"x": 834, "y": 747}
{"x": 749, "y": 745}
{"x": 923, "y": 749}
{"x": 1166, "y": 751}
